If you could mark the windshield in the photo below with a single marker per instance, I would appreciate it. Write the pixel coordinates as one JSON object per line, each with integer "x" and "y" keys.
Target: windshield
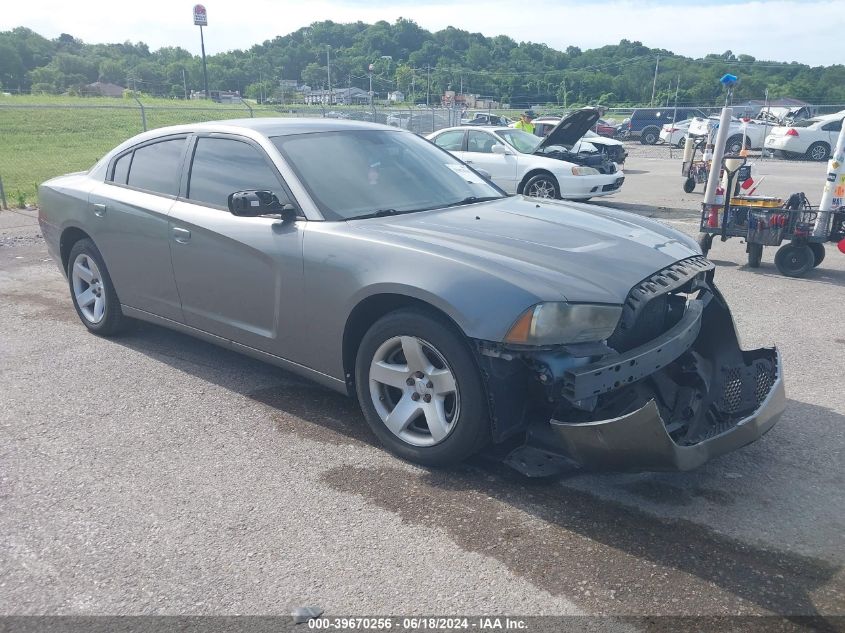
{"x": 355, "y": 173}
{"x": 521, "y": 141}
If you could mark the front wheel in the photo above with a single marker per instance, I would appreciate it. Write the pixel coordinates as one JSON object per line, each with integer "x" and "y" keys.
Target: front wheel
{"x": 794, "y": 260}
{"x": 420, "y": 390}
{"x": 689, "y": 184}
{"x": 755, "y": 255}
{"x": 705, "y": 241}
{"x": 542, "y": 186}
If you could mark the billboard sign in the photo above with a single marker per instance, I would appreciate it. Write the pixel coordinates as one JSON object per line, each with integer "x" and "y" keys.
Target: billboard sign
{"x": 200, "y": 15}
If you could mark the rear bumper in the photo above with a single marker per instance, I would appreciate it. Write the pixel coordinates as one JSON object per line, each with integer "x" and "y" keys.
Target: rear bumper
{"x": 639, "y": 440}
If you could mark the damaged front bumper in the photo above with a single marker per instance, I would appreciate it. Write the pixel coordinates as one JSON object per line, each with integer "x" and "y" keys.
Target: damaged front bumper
{"x": 640, "y": 441}
{"x": 670, "y": 403}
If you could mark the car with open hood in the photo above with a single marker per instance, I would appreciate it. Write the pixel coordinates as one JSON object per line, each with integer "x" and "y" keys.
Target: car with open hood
{"x": 369, "y": 260}
{"x": 523, "y": 163}
{"x": 813, "y": 139}
{"x": 590, "y": 141}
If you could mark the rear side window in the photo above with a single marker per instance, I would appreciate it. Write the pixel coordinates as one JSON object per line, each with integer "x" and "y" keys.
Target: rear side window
{"x": 223, "y": 166}
{"x": 121, "y": 169}
{"x": 833, "y": 126}
{"x": 450, "y": 141}
{"x": 156, "y": 167}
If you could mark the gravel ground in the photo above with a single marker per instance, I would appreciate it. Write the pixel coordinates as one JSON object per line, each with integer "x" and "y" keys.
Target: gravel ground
{"x": 156, "y": 474}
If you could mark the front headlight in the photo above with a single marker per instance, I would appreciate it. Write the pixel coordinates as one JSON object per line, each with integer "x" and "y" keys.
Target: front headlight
{"x": 584, "y": 171}
{"x": 558, "y": 323}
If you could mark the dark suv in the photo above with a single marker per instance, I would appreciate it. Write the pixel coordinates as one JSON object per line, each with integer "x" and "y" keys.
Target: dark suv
{"x": 645, "y": 123}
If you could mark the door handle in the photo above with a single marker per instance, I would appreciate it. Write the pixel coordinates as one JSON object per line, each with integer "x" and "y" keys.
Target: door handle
{"x": 183, "y": 236}
{"x": 99, "y": 210}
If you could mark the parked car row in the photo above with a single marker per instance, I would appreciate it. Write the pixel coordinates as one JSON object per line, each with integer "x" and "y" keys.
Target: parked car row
{"x": 812, "y": 138}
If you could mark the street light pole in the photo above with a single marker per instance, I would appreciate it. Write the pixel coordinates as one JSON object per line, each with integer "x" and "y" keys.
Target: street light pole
{"x": 329, "y": 70}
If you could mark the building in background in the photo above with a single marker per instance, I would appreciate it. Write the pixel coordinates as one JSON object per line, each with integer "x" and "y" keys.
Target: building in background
{"x": 339, "y": 96}
{"x": 103, "y": 89}
{"x": 397, "y": 96}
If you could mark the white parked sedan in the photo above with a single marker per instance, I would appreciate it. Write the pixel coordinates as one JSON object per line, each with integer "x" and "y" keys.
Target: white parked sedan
{"x": 754, "y": 132}
{"x": 813, "y": 138}
{"x": 675, "y": 133}
{"x": 522, "y": 163}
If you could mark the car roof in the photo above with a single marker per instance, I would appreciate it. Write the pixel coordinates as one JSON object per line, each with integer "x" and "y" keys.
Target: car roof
{"x": 273, "y": 126}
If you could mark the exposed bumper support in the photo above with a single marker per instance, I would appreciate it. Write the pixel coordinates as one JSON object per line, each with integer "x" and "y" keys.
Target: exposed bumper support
{"x": 639, "y": 440}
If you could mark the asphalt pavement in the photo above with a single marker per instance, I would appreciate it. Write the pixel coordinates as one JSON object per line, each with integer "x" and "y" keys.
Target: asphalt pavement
{"x": 157, "y": 474}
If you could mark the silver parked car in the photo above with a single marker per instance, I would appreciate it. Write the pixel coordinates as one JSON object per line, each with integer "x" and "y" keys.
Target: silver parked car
{"x": 370, "y": 260}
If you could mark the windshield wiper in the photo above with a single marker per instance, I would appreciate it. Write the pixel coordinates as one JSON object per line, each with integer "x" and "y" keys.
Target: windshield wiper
{"x": 377, "y": 214}
{"x": 473, "y": 200}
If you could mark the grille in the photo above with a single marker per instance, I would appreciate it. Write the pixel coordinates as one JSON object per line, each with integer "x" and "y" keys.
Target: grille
{"x": 765, "y": 380}
{"x": 732, "y": 398}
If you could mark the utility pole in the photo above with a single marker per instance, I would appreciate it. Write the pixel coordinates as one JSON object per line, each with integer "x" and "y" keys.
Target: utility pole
{"x": 329, "y": 70}
{"x": 370, "y": 69}
{"x": 564, "y": 93}
{"x": 428, "y": 86}
{"x": 654, "y": 83}
{"x": 204, "y": 67}
{"x": 185, "y": 84}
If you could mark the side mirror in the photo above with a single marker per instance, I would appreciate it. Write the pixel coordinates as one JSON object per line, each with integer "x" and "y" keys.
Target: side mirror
{"x": 498, "y": 148}
{"x": 251, "y": 204}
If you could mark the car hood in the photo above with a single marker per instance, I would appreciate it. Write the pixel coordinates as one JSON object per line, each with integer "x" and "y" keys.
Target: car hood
{"x": 556, "y": 250}
{"x": 570, "y": 129}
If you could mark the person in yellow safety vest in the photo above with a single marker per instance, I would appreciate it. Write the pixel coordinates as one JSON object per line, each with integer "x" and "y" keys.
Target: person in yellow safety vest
{"x": 525, "y": 123}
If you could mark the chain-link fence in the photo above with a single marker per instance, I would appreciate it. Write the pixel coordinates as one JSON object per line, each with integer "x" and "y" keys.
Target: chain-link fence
{"x": 42, "y": 137}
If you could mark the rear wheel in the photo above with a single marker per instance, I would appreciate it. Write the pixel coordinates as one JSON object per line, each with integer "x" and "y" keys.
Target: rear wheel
{"x": 542, "y": 186}
{"x": 92, "y": 291}
{"x": 818, "y": 151}
{"x": 689, "y": 185}
{"x": 650, "y": 135}
{"x": 682, "y": 143}
{"x": 794, "y": 260}
{"x": 420, "y": 390}
{"x": 755, "y": 255}
{"x": 818, "y": 253}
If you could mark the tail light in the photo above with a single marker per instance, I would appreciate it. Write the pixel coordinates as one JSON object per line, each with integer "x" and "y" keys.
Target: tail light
{"x": 792, "y": 132}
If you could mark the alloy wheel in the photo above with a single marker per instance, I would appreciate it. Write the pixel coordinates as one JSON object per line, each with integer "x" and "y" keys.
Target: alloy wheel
{"x": 542, "y": 189}
{"x": 88, "y": 288}
{"x": 414, "y": 390}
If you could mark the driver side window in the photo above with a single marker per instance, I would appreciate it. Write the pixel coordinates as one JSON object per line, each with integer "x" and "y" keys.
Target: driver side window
{"x": 222, "y": 166}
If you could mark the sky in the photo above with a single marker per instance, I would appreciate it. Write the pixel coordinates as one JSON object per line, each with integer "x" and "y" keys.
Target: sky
{"x": 807, "y": 31}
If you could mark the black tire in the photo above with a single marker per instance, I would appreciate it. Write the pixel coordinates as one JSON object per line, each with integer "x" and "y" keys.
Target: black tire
{"x": 818, "y": 252}
{"x": 471, "y": 428}
{"x": 734, "y": 144}
{"x": 539, "y": 182}
{"x": 705, "y": 241}
{"x": 650, "y": 135}
{"x": 818, "y": 151}
{"x": 689, "y": 185}
{"x": 112, "y": 321}
{"x": 682, "y": 143}
{"x": 794, "y": 260}
{"x": 755, "y": 254}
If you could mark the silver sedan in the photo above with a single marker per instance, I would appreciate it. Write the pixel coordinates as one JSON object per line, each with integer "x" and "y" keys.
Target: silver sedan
{"x": 368, "y": 259}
